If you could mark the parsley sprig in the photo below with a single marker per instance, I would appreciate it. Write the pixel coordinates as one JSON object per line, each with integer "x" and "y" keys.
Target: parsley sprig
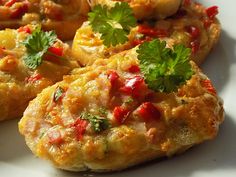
{"x": 37, "y": 45}
{"x": 164, "y": 69}
{"x": 113, "y": 24}
{"x": 98, "y": 123}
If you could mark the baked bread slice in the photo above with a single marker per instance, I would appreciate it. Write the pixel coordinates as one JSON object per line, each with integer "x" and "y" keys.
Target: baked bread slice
{"x": 146, "y": 9}
{"x": 108, "y": 120}
{"x": 18, "y": 83}
{"x": 62, "y": 16}
{"x": 193, "y": 25}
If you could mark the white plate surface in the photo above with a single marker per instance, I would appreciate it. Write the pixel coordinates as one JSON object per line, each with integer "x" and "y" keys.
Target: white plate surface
{"x": 216, "y": 158}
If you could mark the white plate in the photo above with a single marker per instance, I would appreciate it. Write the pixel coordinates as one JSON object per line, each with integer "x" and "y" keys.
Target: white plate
{"x": 216, "y": 158}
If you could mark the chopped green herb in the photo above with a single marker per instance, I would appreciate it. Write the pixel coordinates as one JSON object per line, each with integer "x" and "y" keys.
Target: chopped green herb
{"x": 98, "y": 123}
{"x": 58, "y": 94}
{"x": 102, "y": 111}
{"x": 129, "y": 100}
{"x": 113, "y": 24}
{"x": 37, "y": 45}
{"x": 164, "y": 69}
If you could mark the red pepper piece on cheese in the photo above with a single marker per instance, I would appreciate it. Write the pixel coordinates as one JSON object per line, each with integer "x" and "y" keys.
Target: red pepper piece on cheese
{"x": 55, "y": 53}
{"x": 55, "y": 137}
{"x": 10, "y": 3}
{"x": 153, "y": 32}
{"x": 208, "y": 85}
{"x": 80, "y": 128}
{"x": 212, "y": 12}
{"x": 195, "y": 46}
{"x": 149, "y": 112}
{"x": 120, "y": 114}
{"x": 25, "y": 29}
{"x": 134, "y": 69}
{"x": 33, "y": 78}
{"x": 134, "y": 86}
{"x": 193, "y": 31}
{"x": 113, "y": 77}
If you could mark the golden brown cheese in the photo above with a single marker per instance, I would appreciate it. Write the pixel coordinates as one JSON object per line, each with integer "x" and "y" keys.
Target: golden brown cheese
{"x": 18, "y": 83}
{"x": 64, "y": 16}
{"x": 55, "y": 130}
{"x": 146, "y": 9}
{"x": 189, "y": 26}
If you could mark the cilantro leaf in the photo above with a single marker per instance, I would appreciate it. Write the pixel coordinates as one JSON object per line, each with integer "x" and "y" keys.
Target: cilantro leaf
{"x": 164, "y": 69}
{"x": 37, "y": 45}
{"x": 114, "y": 24}
{"x": 98, "y": 123}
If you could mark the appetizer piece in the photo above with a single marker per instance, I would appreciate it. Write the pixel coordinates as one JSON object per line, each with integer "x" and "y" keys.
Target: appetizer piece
{"x": 138, "y": 105}
{"x": 146, "y": 9}
{"x": 193, "y": 25}
{"x": 30, "y": 60}
{"x": 64, "y": 16}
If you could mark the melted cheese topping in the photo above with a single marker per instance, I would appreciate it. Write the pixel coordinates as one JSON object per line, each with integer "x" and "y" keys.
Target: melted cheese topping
{"x": 187, "y": 117}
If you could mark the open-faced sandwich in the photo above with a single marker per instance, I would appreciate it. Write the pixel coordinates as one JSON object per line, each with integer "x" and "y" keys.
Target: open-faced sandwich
{"x": 138, "y": 105}
{"x": 105, "y": 35}
{"x": 145, "y": 9}
{"x": 30, "y": 60}
{"x": 63, "y": 16}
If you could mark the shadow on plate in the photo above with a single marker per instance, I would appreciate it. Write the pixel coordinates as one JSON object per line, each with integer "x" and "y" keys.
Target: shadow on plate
{"x": 11, "y": 142}
{"x": 212, "y": 155}
{"x": 217, "y": 66}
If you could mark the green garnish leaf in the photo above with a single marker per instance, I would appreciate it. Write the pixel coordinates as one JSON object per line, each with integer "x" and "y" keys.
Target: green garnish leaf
{"x": 103, "y": 111}
{"x": 58, "y": 94}
{"x": 113, "y": 24}
{"x": 37, "y": 45}
{"x": 98, "y": 123}
{"x": 164, "y": 69}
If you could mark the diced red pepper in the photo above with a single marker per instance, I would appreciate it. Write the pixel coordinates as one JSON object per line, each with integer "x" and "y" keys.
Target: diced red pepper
{"x": 195, "y": 46}
{"x": 136, "y": 42}
{"x": 120, "y": 114}
{"x": 25, "y": 29}
{"x": 10, "y": 3}
{"x": 55, "y": 137}
{"x": 113, "y": 77}
{"x": 133, "y": 86}
{"x": 153, "y": 32}
{"x": 57, "y": 51}
{"x": 80, "y": 128}
{"x": 33, "y": 78}
{"x": 212, "y": 12}
{"x": 193, "y": 31}
{"x": 149, "y": 112}
{"x": 187, "y": 2}
{"x": 134, "y": 69}
{"x": 19, "y": 12}
{"x": 208, "y": 85}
